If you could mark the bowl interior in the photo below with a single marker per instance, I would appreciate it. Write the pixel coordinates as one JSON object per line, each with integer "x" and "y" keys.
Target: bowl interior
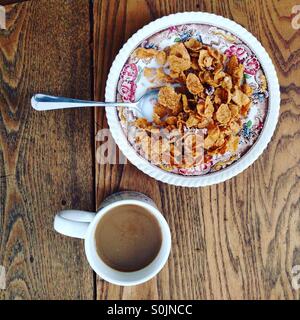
{"x": 127, "y": 83}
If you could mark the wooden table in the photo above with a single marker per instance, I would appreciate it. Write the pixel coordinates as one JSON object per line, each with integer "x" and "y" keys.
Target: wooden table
{"x": 235, "y": 240}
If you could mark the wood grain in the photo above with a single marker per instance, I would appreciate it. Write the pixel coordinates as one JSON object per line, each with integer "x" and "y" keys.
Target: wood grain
{"x": 46, "y": 159}
{"x": 238, "y": 239}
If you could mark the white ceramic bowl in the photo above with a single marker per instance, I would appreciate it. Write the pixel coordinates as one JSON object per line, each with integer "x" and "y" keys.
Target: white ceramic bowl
{"x": 269, "y": 124}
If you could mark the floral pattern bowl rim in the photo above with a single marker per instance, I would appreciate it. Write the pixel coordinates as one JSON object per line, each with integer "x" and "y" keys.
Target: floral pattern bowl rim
{"x": 270, "y": 122}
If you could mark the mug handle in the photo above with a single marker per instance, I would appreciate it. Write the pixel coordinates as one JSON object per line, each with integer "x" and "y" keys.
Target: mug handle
{"x": 73, "y": 223}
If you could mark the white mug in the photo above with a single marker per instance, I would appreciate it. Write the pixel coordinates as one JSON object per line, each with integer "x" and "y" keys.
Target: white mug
{"x": 82, "y": 224}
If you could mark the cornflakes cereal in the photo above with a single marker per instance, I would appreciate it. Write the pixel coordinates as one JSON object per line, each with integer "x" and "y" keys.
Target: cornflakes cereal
{"x": 247, "y": 89}
{"x": 219, "y": 76}
{"x": 200, "y": 107}
{"x": 232, "y": 64}
{"x": 179, "y": 58}
{"x": 205, "y": 60}
{"x": 185, "y": 103}
{"x": 240, "y": 98}
{"x": 204, "y": 123}
{"x": 145, "y": 144}
{"x": 234, "y": 127}
{"x": 180, "y": 51}
{"x": 212, "y": 137}
{"x": 193, "y": 84}
{"x": 212, "y": 98}
{"x": 167, "y": 97}
{"x": 141, "y": 123}
{"x": 208, "y": 108}
{"x": 160, "y": 110}
{"x": 149, "y": 73}
{"x": 193, "y": 45}
{"x": 235, "y": 110}
{"x": 235, "y": 69}
{"x": 177, "y": 109}
{"x": 178, "y": 64}
{"x": 156, "y": 119}
{"x": 227, "y": 83}
{"x": 161, "y": 77}
{"x": 174, "y": 75}
{"x": 171, "y": 120}
{"x": 194, "y": 64}
{"x": 233, "y": 143}
{"x": 238, "y": 74}
{"x": 222, "y": 95}
{"x": 142, "y": 53}
{"x": 223, "y": 114}
{"x": 263, "y": 83}
{"x": 161, "y": 58}
{"x": 192, "y": 121}
{"x": 245, "y": 109}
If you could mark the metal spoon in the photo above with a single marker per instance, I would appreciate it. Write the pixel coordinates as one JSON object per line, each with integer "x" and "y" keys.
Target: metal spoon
{"x": 144, "y": 106}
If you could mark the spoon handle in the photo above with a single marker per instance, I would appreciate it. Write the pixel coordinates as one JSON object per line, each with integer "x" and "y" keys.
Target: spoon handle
{"x": 42, "y": 102}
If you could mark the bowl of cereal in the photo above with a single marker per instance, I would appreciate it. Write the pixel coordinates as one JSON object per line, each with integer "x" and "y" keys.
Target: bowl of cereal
{"x": 218, "y": 100}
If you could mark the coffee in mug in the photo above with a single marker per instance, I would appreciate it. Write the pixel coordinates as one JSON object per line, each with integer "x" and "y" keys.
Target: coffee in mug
{"x": 128, "y": 238}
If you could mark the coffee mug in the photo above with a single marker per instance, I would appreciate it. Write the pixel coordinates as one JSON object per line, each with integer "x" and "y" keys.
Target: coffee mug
{"x": 83, "y": 224}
